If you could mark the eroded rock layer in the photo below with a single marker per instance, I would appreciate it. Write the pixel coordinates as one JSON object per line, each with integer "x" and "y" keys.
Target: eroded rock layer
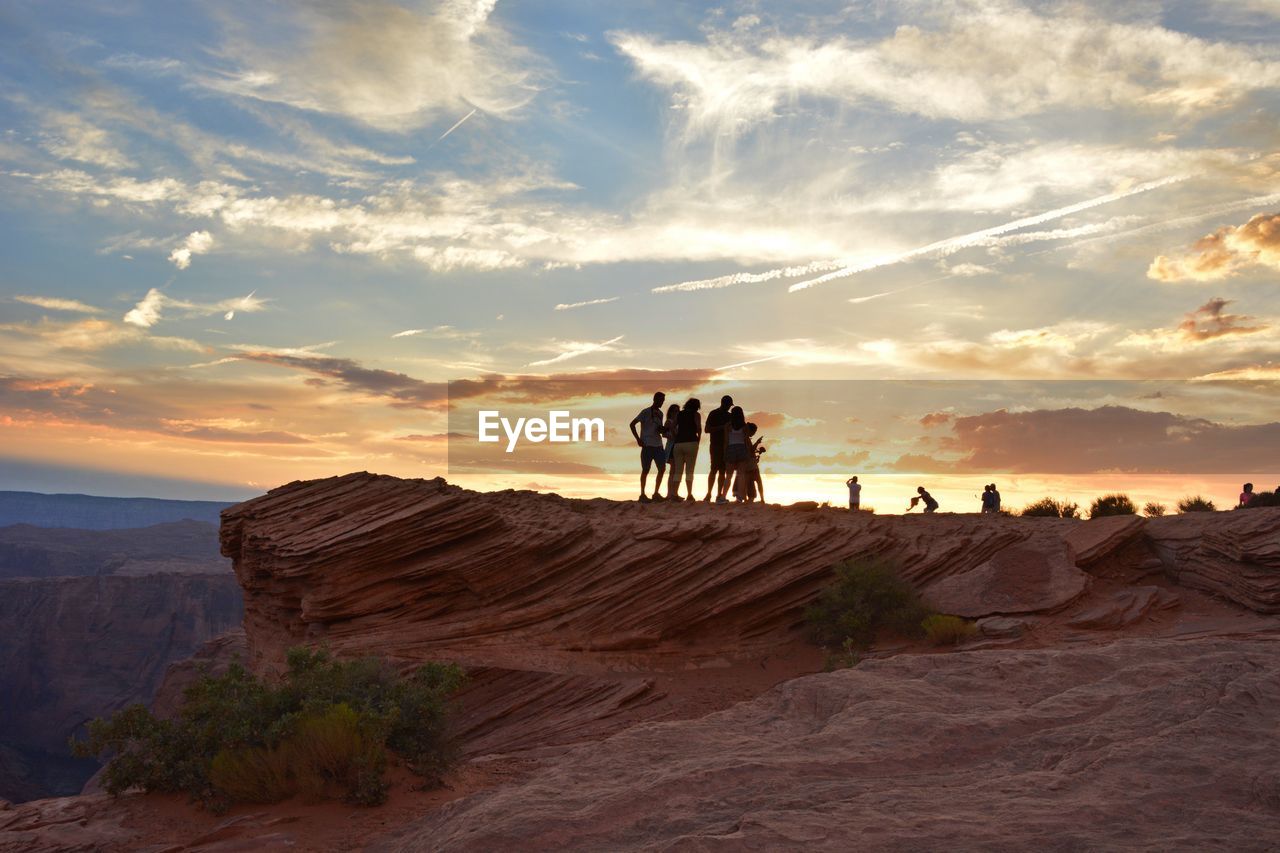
{"x": 1162, "y": 744}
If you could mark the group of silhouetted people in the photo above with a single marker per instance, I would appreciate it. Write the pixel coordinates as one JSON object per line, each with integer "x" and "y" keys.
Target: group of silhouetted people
{"x": 672, "y": 439}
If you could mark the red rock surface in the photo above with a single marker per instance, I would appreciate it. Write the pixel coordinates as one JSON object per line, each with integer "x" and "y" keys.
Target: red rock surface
{"x": 1148, "y": 744}
{"x": 1233, "y": 554}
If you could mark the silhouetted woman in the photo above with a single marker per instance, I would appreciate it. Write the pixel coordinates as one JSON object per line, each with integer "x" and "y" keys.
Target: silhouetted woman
{"x": 685, "y": 451}
{"x": 737, "y": 451}
{"x": 669, "y": 429}
{"x": 1246, "y": 496}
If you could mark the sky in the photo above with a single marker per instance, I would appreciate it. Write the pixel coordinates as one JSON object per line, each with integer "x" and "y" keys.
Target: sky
{"x": 249, "y": 243}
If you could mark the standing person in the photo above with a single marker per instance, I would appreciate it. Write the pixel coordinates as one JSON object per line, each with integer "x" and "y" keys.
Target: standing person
{"x": 1246, "y": 496}
{"x": 737, "y": 454}
{"x": 855, "y": 493}
{"x": 995, "y": 499}
{"x": 649, "y": 438}
{"x": 756, "y": 486}
{"x": 669, "y": 430}
{"x": 930, "y": 505}
{"x": 684, "y": 455}
{"x": 717, "y": 421}
{"x": 988, "y": 499}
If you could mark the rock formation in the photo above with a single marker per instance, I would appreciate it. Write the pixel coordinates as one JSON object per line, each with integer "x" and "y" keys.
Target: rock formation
{"x": 27, "y": 551}
{"x": 1154, "y": 744}
{"x": 1233, "y": 554}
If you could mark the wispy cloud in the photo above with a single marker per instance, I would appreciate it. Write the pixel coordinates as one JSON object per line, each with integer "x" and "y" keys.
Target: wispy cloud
{"x": 196, "y": 243}
{"x": 52, "y": 303}
{"x": 151, "y": 307}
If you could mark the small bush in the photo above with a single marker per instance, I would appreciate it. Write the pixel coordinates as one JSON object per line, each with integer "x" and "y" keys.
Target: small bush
{"x": 869, "y": 594}
{"x": 1196, "y": 504}
{"x": 847, "y": 657}
{"x": 1261, "y": 499}
{"x": 1112, "y": 505}
{"x": 947, "y": 630}
{"x": 1049, "y": 508}
{"x": 1154, "y": 510}
{"x": 327, "y": 724}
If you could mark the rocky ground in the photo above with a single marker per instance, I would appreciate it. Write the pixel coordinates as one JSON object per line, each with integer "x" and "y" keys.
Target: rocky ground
{"x": 640, "y": 679}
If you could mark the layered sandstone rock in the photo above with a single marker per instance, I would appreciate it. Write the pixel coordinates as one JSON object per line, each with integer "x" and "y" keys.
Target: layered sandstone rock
{"x": 1154, "y": 744}
{"x": 1233, "y": 554}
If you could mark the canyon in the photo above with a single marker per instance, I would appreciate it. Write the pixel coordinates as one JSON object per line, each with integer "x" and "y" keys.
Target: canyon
{"x": 640, "y": 677}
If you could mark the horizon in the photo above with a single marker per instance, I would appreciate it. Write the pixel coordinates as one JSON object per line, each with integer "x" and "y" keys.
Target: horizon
{"x": 252, "y": 245}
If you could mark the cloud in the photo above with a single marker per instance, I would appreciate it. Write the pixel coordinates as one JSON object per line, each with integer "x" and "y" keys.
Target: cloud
{"x": 1228, "y": 251}
{"x": 1065, "y": 441}
{"x": 942, "y": 63}
{"x": 1209, "y": 321}
{"x": 55, "y": 304}
{"x": 384, "y": 64}
{"x": 151, "y": 307}
{"x": 196, "y": 243}
{"x": 72, "y": 137}
{"x": 575, "y": 349}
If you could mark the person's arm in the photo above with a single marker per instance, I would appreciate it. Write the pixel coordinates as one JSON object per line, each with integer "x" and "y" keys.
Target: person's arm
{"x": 635, "y": 434}
{"x": 697, "y": 427}
{"x": 848, "y": 482}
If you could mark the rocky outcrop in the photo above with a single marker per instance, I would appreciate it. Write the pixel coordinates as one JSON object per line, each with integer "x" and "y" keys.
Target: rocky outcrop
{"x": 1027, "y": 578}
{"x": 1146, "y": 744}
{"x": 27, "y": 551}
{"x": 72, "y": 649}
{"x": 1125, "y": 608}
{"x": 420, "y": 569}
{"x": 1233, "y": 554}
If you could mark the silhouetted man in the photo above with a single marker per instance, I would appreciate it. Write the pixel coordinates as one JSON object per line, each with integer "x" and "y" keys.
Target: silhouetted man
{"x": 715, "y": 426}
{"x": 650, "y": 440}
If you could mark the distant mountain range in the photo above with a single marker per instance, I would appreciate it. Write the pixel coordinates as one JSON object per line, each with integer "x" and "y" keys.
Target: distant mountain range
{"x": 90, "y": 512}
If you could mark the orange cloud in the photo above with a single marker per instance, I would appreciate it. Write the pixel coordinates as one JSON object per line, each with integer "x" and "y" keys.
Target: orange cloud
{"x": 1225, "y": 252}
{"x": 1209, "y": 321}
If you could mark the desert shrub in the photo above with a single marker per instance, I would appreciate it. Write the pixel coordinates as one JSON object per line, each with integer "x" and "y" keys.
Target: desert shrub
{"x": 1049, "y": 508}
{"x": 1261, "y": 499}
{"x": 947, "y": 630}
{"x": 1154, "y": 510}
{"x": 1112, "y": 505}
{"x": 1196, "y": 504}
{"x": 848, "y": 656}
{"x": 326, "y": 724}
{"x": 869, "y": 594}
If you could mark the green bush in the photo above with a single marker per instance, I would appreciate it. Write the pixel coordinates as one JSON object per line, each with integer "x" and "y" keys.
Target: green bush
{"x": 947, "y": 630}
{"x": 1154, "y": 510}
{"x": 1196, "y": 504}
{"x": 869, "y": 594}
{"x": 1049, "y": 508}
{"x": 1112, "y": 505}
{"x": 326, "y": 724}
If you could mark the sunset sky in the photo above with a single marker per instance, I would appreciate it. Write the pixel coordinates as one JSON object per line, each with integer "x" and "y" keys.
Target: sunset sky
{"x": 247, "y": 243}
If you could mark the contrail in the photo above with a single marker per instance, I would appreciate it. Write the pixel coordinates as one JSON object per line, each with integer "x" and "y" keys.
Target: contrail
{"x": 456, "y": 126}
{"x": 749, "y": 278}
{"x": 565, "y": 306}
{"x": 753, "y": 361}
{"x": 1178, "y": 221}
{"x": 954, "y": 244}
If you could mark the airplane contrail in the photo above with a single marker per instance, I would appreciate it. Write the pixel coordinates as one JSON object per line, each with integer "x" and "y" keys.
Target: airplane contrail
{"x": 457, "y": 125}
{"x": 753, "y": 361}
{"x": 964, "y": 241}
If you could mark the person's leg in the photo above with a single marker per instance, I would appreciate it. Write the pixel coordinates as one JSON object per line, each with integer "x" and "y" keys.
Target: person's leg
{"x": 646, "y": 459}
{"x": 760, "y": 485}
{"x": 661, "y": 475}
{"x": 692, "y": 462}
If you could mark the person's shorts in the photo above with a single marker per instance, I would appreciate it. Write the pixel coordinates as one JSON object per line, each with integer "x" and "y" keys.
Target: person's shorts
{"x": 735, "y": 453}
{"x": 717, "y": 457}
{"x": 652, "y": 455}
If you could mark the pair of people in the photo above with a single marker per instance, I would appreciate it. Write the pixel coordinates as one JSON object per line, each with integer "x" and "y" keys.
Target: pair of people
{"x": 990, "y": 498}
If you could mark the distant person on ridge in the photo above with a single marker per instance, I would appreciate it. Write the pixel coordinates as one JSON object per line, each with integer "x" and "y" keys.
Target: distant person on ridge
{"x": 752, "y": 484}
{"x": 930, "y": 505}
{"x": 855, "y": 493}
{"x": 649, "y": 438}
{"x": 988, "y": 499}
{"x": 717, "y": 421}
{"x": 684, "y": 455}
{"x": 1246, "y": 496}
{"x": 995, "y": 498}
